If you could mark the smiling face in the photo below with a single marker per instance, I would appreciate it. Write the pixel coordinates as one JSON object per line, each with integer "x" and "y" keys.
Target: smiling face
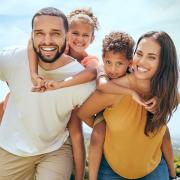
{"x": 146, "y": 58}
{"x": 115, "y": 64}
{"x": 80, "y": 36}
{"x": 48, "y": 37}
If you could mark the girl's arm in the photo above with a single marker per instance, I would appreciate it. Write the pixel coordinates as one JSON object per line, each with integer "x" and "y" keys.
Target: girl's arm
{"x": 167, "y": 151}
{"x": 118, "y": 86}
{"x": 95, "y": 103}
{"x": 33, "y": 66}
{"x": 85, "y": 76}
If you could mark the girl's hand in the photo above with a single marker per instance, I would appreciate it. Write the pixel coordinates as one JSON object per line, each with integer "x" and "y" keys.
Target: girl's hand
{"x": 52, "y": 85}
{"x": 90, "y": 61}
{"x": 136, "y": 97}
{"x": 38, "y": 83}
{"x": 151, "y": 105}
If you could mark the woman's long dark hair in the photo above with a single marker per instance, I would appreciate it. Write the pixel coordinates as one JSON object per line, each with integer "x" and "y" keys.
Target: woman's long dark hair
{"x": 164, "y": 84}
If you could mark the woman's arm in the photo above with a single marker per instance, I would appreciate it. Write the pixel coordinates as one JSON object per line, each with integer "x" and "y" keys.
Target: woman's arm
{"x": 167, "y": 151}
{"x": 85, "y": 76}
{"x": 96, "y": 103}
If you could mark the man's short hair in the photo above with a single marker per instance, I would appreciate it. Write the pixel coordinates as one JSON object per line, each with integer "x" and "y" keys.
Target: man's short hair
{"x": 50, "y": 11}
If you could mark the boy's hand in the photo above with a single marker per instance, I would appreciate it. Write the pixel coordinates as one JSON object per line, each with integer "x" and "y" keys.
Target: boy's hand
{"x": 151, "y": 105}
{"x": 136, "y": 97}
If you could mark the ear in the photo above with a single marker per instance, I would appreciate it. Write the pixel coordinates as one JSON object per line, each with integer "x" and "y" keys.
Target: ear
{"x": 130, "y": 65}
{"x": 92, "y": 39}
{"x": 67, "y": 36}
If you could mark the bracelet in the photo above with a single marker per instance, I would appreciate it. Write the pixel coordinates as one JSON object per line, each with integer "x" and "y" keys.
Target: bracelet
{"x": 172, "y": 178}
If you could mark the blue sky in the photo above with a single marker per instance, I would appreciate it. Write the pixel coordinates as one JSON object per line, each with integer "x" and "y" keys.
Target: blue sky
{"x": 133, "y": 17}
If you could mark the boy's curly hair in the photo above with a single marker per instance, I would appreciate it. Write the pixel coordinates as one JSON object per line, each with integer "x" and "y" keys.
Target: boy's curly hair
{"x": 119, "y": 42}
{"x": 85, "y": 15}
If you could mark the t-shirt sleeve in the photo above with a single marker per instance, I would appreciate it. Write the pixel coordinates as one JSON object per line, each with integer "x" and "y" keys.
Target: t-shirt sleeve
{"x": 6, "y": 57}
{"x": 2, "y": 64}
{"x": 82, "y": 92}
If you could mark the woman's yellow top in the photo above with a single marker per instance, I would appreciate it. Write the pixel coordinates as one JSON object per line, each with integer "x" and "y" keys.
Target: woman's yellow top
{"x": 129, "y": 152}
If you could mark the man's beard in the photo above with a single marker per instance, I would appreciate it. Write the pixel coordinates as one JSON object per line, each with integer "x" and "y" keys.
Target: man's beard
{"x": 48, "y": 60}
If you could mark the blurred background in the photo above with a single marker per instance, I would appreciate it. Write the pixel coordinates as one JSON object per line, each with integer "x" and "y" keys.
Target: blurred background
{"x": 133, "y": 17}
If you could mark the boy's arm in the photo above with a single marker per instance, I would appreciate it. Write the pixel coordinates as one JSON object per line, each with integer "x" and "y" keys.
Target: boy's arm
{"x": 167, "y": 151}
{"x": 117, "y": 86}
{"x": 84, "y": 76}
{"x": 76, "y": 134}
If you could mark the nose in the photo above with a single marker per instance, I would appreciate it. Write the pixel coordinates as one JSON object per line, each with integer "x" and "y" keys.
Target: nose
{"x": 47, "y": 39}
{"x": 113, "y": 68}
{"x": 80, "y": 38}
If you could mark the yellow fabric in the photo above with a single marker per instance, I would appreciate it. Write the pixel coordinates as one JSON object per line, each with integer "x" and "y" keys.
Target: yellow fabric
{"x": 129, "y": 152}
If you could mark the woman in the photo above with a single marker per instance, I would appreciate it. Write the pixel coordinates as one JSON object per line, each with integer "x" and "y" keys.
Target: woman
{"x": 132, "y": 148}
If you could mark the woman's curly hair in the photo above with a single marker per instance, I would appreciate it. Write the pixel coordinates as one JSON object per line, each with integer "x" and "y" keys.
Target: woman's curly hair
{"x": 119, "y": 42}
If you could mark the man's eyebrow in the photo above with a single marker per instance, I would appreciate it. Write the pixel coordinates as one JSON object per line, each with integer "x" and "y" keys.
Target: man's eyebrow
{"x": 37, "y": 30}
{"x": 57, "y": 30}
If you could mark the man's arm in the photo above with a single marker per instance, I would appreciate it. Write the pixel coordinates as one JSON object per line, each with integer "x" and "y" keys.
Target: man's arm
{"x": 76, "y": 135}
{"x": 1, "y": 110}
{"x": 3, "y": 106}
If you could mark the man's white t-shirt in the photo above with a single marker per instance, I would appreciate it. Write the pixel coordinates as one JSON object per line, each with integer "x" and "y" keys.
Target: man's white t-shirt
{"x": 35, "y": 123}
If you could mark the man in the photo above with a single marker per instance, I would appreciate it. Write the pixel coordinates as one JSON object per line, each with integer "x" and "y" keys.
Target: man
{"x": 34, "y": 141}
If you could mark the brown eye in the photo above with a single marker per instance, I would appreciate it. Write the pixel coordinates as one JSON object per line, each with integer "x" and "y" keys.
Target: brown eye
{"x": 108, "y": 62}
{"x": 75, "y": 33}
{"x": 38, "y": 33}
{"x": 118, "y": 64}
{"x": 152, "y": 57}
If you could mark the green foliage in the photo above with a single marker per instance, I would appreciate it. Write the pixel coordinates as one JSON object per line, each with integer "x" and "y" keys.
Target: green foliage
{"x": 177, "y": 165}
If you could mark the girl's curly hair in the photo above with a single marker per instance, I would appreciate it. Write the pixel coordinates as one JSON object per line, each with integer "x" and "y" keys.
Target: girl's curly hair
{"x": 84, "y": 15}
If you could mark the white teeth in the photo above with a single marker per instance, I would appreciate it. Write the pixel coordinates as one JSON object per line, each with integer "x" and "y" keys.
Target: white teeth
{"x": 48, "y": 48}
{"x": 142, "y": 69}
{"x": 79, "y": 44}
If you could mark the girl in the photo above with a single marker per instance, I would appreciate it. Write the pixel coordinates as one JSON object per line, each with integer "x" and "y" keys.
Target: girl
{"x": 132, "y": 147}
{"x": 82, "y": 26}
